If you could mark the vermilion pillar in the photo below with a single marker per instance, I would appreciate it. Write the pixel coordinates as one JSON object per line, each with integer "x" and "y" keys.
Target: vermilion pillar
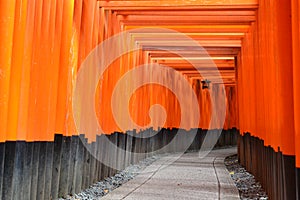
{"x": 7, "y": 18}
{"x": 296, "y": 73}
{"x": 284, "y": 60}
{"x": 16, "y": 72}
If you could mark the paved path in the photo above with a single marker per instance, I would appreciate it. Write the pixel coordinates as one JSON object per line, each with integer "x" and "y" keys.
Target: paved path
{"x": 184, "y": 177}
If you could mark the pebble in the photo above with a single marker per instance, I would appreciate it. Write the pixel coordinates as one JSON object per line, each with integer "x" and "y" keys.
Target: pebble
{"x": 248, "y": 187}
{"x": 100, "y": 189}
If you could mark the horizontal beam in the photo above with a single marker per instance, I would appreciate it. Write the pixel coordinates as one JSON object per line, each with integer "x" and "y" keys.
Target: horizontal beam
{"x": 150, "y": 19}
{"x": 167, "y": 3}
{"x": 178, "y": 44}
{"x": 185, "y": 36}
{"x": 156, "y": 54}
{"x": 186, "y": 13}
{"x": 200, "y": 66}
{"x": 225, "y": 28}
{"x": 203, "y": 58}
{"x": 207, "y": 69}
{"x": 212, "y": 78}
{"x": 208, "y": 73}
{"x": 197, "y": 50}
{"x": 186, "y": 22}
{"x": 185, "y": 62}
{"x": 168, "y": 34}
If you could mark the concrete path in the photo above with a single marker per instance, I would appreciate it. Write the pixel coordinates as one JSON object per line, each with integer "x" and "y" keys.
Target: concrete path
{"x": 182, "y": 177}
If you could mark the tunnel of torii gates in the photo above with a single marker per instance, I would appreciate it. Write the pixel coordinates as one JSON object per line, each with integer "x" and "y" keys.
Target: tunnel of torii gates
{"x": 247, "y": 50}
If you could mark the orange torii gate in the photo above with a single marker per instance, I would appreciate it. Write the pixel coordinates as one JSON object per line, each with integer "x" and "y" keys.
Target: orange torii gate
{"x": 253, "y": 43}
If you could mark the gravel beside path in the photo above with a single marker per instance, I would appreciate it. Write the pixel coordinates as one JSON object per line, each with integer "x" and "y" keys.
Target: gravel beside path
{"x": 102, "y": 188}
{"x": 248, "y": 187}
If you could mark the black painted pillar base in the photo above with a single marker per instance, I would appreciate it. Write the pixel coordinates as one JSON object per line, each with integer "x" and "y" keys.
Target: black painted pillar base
{"x": 276, "y": 172}
{"x": 69, "y": 164}
{"x": 289, "y": 177}
{"x": 298, "y": 182}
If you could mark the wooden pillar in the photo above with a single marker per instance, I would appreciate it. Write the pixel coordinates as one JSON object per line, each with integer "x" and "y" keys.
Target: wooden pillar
{"x": 14, "y": 103}
{"x": 285, "y": 77}
{"x": 259, "y": 83}
{"x": 66, "y": 63}
{"x": 7, "y": 19}
{"x": 240, "y": 93}
{"x": 296, "y": 73}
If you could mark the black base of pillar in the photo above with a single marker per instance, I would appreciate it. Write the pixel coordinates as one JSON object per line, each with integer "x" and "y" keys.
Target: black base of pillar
{"x": 298, "y": 183}
{"x": 275, "y": 171}
{"x": 47, "y": 170}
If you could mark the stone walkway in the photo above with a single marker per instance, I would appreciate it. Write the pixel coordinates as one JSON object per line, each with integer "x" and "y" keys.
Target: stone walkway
{"x": 182, "y": 177}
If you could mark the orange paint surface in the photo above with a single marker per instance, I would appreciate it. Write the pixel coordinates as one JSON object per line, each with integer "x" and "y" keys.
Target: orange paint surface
{"x": 44, "y": 42}
{"x": 7, "y": 19}
{"x": 266, "y": 77}
{"x": 296, "y": 71}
